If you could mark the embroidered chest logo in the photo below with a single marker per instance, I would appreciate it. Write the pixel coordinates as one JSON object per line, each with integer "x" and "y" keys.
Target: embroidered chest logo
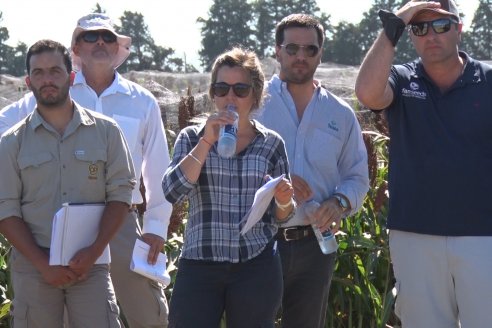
{"x": 93, "y": 169}
{"x": 414, "y": 92}
{"x": 333, "y": 125}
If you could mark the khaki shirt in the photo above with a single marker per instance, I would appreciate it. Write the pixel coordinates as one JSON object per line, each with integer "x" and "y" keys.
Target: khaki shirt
{"x": 41, "y": 170}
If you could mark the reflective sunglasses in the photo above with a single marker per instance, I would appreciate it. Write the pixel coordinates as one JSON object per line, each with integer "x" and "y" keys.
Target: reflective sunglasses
{"x": 93, "y": 36}
{"x": 292, "y": 49}
{"x": 439, "y": 26}
{"x": 221, "y": 89}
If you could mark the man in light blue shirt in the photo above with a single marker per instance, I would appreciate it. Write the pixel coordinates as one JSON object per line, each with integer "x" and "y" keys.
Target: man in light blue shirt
{"x": 328, "y": 161}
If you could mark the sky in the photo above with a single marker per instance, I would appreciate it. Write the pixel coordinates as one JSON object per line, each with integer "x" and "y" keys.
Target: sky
{"x": 172, "y": 23}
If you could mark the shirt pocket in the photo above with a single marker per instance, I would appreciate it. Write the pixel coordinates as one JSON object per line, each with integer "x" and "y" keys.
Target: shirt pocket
{"x": 130, "y": 127}
{"x": 323, "y": 150}
{"x": 38, "y": 167}
{"x": 90, "y": 172}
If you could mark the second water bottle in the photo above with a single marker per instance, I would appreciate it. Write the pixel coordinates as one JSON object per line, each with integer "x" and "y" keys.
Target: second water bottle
{"x": 326, "y": 240}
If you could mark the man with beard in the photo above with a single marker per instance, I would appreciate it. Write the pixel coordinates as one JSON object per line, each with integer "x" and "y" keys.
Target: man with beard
{"x": 60, "y": 153}
{"x": 97, "y": 50}
{"x": 328, "y": 163}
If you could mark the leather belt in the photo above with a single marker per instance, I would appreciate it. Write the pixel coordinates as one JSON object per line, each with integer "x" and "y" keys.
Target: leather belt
{"x": 294, "y": 233}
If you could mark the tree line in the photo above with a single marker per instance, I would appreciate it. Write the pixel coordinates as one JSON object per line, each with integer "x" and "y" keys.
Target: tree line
{"x": 251, "y": 24}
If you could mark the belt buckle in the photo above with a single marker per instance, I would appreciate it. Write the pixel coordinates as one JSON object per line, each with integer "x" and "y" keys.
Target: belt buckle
{"x": 285, "y": 234}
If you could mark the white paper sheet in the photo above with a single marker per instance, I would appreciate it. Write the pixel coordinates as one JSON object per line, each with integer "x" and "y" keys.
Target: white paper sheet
{"x": 140, "y": 265}
{"x": 75, "y": 226}
{"x": 263, "y": 197}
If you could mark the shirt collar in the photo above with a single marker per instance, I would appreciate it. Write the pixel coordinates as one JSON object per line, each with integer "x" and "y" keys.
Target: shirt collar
{"x": 281, "y": 86}
{"x": 257, "y": 126}
{"x": 119, "y": 85}
{"x": 471, "y": 74}
{"x": 80, "y": 117}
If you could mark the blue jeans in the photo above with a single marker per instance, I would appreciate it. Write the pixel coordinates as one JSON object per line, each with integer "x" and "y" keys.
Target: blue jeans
{"x": 250, "y": 292}
{"x": 307, "y": 277}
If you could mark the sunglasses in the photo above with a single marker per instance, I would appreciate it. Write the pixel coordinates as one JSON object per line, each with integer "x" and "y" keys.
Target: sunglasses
{"x": 93, "y": 36}
{"x": 221, "y": 89}
{"x": 439, "y": 26}
{"x": 292, "y": 49}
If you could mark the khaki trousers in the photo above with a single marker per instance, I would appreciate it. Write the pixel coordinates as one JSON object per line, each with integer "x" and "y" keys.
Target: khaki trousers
{"x": 442, "y": 282}
{"x": 142, "y": 300}
{"x": 89, "y": 303}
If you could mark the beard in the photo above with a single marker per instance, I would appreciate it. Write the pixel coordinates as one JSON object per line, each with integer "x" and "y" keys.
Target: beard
{"x": 52, "y": 99}
{"x": 298, "y": 75}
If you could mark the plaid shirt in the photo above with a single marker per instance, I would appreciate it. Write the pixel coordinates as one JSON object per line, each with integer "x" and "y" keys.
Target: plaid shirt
{"x": 223, "y": 194}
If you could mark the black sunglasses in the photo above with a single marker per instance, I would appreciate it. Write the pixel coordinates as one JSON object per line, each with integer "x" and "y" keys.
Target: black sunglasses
{"x": 439, "y": 26}
{"x": 221, "y": 89}
{"x": 93, "y": 36}
{"x": 292, "y": 49}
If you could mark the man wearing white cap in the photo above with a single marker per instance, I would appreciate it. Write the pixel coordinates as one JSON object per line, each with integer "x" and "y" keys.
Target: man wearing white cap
{"x": 97, "y": 50}
{"x": 439, "y": 112}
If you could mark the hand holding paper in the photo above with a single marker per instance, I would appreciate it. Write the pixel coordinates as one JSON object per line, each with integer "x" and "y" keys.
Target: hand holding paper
{"x": 140, "y": 265}
{"x": 263, "y": 197}
{"x": 75, "y": 227}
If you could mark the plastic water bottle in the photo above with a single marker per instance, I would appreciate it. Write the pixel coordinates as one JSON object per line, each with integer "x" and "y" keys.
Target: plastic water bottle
{"x": 326, "y": 240}
{"x": 228, "y": 136}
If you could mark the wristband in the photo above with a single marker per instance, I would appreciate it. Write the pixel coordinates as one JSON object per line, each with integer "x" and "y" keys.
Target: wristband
{"x": 283, "y": 207}
{"x": 205, "y": 141}
{"x": 393, "y": 26}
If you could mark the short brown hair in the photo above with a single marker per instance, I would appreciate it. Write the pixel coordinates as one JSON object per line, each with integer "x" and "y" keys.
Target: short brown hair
{"x": 299, "y": 20}
{"x": 48, "y": 46}
{"x": 239, "y": 57}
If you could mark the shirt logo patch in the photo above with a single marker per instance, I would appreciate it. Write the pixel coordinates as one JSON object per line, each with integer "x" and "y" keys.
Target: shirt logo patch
{"x": 333, "y": 125}
{"x": 93, "y": 172}
{"x": 414, "y": 92}
{"x": 414, "y": 86}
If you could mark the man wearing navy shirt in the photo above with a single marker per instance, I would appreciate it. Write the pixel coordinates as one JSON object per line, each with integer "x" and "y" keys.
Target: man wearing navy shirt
{"x": 439, "y": 110}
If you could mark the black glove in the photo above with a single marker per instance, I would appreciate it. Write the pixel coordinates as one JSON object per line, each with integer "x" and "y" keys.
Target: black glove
{"x": 393, "y": 25}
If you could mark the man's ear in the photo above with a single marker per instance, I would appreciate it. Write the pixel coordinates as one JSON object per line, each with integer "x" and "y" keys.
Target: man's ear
{"x": 28, "y": 82}
{"x": 75, "y": 49}
{"x": 277, "y": 52}
{"x": 72, "y": 77}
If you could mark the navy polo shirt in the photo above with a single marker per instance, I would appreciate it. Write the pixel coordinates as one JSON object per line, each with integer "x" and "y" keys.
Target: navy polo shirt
{"x": 440, "y": 169}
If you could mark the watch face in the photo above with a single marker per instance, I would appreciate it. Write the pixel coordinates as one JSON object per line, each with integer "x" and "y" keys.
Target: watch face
{"x": 342, "y": 202}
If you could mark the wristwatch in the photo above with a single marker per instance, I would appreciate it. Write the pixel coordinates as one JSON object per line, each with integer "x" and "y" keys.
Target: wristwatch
{"x": 342, "y": 202}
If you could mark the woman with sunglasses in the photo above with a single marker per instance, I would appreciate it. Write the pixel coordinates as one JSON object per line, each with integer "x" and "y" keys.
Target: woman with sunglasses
{"x": 439, "y": 113}
{"x": 221, "y": 270}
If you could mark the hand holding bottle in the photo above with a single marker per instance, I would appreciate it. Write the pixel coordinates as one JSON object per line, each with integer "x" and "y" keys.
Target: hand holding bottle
{"x": 326, "y": 239}
{"x": 228, "y": 135}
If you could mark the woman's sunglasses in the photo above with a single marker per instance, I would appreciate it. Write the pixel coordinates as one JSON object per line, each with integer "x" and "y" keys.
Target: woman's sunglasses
{"x": 221, "y": 89}
{"x": 292, "y": 49}
{"x": 93, "y": 36}
{"x": 439, "y": 26}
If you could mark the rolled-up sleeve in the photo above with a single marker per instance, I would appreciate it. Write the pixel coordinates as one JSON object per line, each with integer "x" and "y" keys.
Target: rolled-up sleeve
{"x": 10, "y": 182}
{"x": 175, "y": 184}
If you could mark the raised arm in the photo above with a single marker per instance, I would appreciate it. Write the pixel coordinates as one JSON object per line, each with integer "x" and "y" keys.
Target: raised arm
{"x": 372, "y": 87}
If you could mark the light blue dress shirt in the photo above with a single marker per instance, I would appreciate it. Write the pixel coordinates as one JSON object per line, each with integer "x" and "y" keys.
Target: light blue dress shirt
{"x": 325, "y": 147}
